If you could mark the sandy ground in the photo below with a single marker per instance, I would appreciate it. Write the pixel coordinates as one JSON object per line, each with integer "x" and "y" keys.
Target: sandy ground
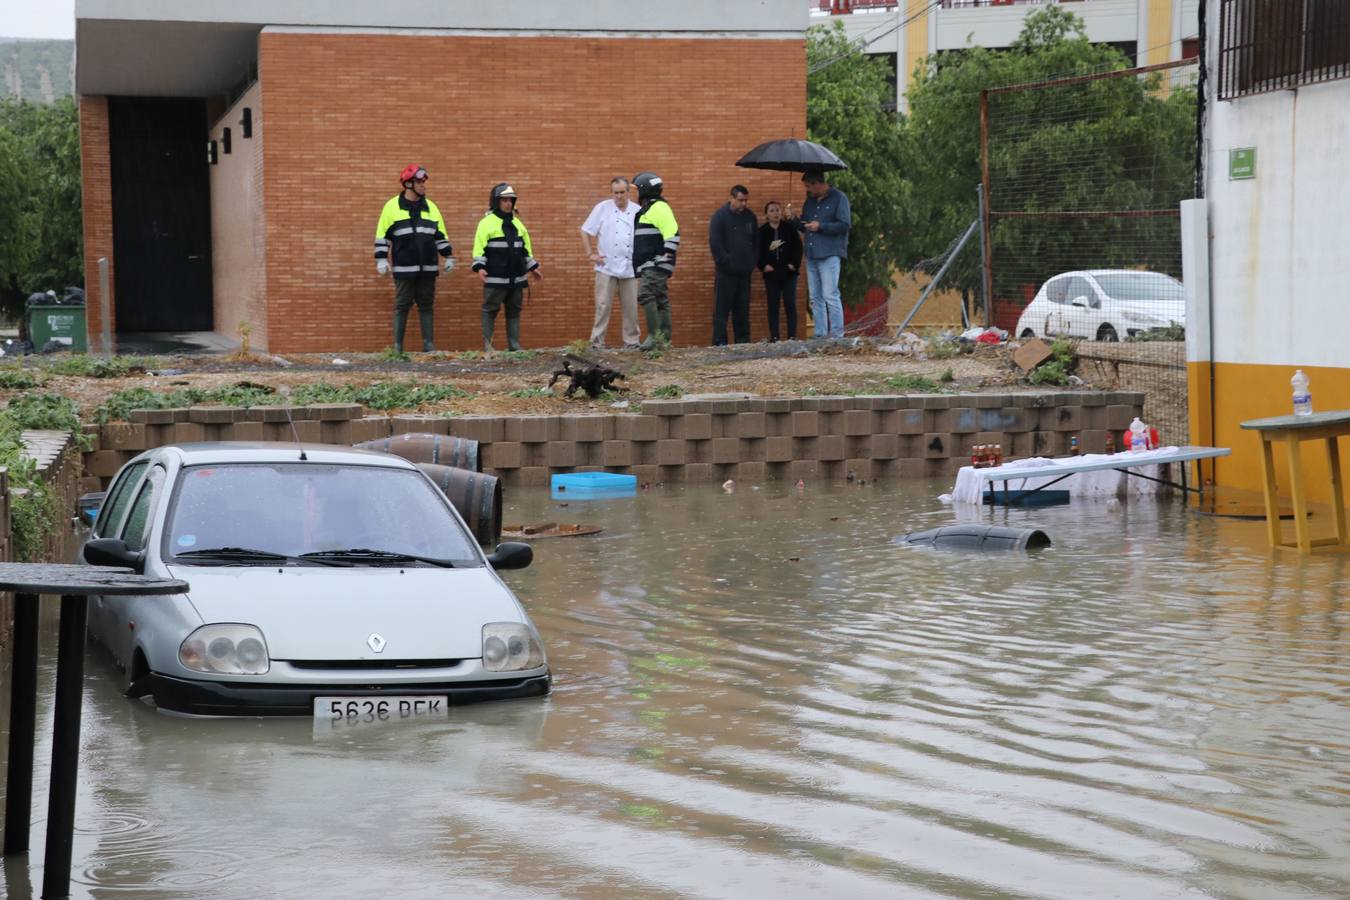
{"x": 789, "y": 368}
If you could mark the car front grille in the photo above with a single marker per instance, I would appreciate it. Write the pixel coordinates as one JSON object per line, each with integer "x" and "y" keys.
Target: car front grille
{"x": 327, "y": 664}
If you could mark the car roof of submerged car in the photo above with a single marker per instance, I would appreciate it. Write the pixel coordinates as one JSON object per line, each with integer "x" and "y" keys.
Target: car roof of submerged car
{"x": 220, "y": 452}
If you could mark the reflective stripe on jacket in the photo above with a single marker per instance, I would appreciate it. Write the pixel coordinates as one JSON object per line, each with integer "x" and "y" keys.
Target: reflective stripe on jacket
{"x": 506, "y": 256}
{"x": 656, "y": 237}
{"x": 410, "y": 235}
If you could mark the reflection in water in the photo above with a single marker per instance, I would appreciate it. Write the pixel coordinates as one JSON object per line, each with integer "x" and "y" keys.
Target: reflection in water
{"x": 757, "y": 694}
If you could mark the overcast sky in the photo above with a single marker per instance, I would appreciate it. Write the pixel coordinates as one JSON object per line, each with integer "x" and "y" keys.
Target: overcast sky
{"x": 37, "y": 18}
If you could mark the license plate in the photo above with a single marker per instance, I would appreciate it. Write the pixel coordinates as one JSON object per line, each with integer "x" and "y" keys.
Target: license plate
{"x": 378, "y": 709}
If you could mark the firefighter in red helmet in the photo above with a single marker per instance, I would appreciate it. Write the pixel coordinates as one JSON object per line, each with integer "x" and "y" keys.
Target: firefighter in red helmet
{"x": 408, "y": 238}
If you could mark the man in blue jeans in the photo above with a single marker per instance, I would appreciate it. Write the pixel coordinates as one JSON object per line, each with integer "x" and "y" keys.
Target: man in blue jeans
{"x": 826, "y": 220}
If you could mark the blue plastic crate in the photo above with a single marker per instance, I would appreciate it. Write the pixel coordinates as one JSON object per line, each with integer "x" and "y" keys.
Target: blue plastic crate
{"x": 592, "y": 485}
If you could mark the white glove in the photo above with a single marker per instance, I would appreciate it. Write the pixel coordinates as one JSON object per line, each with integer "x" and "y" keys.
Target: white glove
{"x": 449, "y": 264}
{"x": 382, "y": 267}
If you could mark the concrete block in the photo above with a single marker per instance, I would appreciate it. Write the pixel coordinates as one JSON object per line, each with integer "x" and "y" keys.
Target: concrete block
{"x": 123, "y": 436}
{"x": 859, "y": 421}
{"x": 371, "y": 428}
{"x": 419, "y": 424}
{"x": 884, "y": 446}
{"x": 958, "y": 420}
{"x": 105, "y": 463}
{"x": 561, "y": 454}
{"x": 778, "y": 449}
{"x": 698, "y": 472}
{"x": 1119, "y": 417}
{"x": 617, "y": 453}
{"x": 912, "y": 468}
{"x": 938, "y": 446}
{"x": 830, "y": 447}
{"x": 803, "y": 469}
{"x": 631, "y": 427}
{"x": 503, "y": 455}
{"x": 910, "y": 421}
{"x": 723, "y": 450}
{"x": 750, "y": 425}
{"x": 484, "y": 429}
{"x": 597, "y": 427}
{"x": 186, "y": 432}
{"x": 256, "y": 431}
{"x": 691, "y": 427}
{"x": 751, "y": 472}
{"x": 805, "y": 423}
{"x": 332, "y": 431}
{"x": 855, "y": 469}
{"x": 671, "y": 452}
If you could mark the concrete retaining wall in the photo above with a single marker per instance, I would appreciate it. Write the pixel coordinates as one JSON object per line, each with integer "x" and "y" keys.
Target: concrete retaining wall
{"x": 874, "y": 436}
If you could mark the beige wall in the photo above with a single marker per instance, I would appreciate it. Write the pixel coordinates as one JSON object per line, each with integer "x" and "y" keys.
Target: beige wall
{"x": 238, "y": 239}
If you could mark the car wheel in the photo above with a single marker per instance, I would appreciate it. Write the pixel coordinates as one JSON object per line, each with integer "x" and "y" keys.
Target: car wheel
{"x": 1027, "y": 333}
{"x": 1107, "y": 333}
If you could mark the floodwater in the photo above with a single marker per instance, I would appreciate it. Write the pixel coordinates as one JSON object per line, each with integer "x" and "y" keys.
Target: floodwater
{"x": 758, "y": 695}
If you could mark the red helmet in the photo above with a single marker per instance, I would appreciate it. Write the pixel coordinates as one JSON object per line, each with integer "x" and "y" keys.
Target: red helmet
{"x": 412, "y": 172}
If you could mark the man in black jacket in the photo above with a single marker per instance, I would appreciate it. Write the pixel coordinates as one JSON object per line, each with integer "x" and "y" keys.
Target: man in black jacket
{"x": 733, "y": 236}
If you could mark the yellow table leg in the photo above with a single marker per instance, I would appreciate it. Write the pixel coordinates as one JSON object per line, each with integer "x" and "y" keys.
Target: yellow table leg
{"x": 1300, "y": 499}
{"x": 1337, "y": 490}
{"x": 1272, "y": 499}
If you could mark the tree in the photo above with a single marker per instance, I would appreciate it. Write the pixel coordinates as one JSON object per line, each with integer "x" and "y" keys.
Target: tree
{"x": 41, "y": 222}
{"x": 849, "y": 108}
{"x": 1119, "y": 143}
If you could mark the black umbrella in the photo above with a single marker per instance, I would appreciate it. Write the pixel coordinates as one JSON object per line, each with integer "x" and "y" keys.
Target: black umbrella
{"x": 792, "y": 156}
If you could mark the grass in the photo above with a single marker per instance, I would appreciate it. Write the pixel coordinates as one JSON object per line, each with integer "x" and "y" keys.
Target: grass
{"x": 915, "y": 384}
{"x": 382, "y": 395}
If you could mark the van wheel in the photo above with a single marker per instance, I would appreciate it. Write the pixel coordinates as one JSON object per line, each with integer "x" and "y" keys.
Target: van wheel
{"x": 1107, "y": 333}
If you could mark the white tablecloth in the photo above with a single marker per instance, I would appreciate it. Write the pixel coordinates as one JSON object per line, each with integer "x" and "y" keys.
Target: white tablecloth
{"x": 971, "y": 483}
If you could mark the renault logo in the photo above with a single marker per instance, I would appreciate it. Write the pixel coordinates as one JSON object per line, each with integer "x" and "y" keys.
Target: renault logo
{"x": 376, "y": 643}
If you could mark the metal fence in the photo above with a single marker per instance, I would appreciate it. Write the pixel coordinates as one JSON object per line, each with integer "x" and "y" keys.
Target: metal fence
{"x": 1084, "y": 178}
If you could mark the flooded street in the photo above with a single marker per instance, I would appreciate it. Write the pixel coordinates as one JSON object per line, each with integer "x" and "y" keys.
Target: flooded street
{"x": 758, "y": 695}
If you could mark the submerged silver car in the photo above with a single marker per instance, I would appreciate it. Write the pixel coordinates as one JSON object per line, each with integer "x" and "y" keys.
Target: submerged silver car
{"x": 326, "y": 581}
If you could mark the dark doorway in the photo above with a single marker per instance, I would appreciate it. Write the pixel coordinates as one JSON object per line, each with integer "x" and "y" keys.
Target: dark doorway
{"x": 161, "y": 200}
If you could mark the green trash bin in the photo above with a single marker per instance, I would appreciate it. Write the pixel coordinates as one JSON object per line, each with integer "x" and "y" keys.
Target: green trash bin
{"x": 57, "y": 322}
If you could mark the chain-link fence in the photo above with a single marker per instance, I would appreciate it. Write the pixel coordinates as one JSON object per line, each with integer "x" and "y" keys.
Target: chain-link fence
{"x": 1084, "y": 178}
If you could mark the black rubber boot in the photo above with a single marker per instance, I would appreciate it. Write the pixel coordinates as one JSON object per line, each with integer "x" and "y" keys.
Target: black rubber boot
{"x": 489, "y": 324}
{"x": 427, "y": 319}
{"x": 513, "y": 333}
{"x": 400, "y": 327}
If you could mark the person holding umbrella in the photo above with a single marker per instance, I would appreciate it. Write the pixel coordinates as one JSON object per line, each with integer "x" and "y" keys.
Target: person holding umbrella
{"x": 826, "y": 220}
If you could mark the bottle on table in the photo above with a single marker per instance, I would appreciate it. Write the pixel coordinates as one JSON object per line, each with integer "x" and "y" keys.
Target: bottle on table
{"x": 1302, "y": 397}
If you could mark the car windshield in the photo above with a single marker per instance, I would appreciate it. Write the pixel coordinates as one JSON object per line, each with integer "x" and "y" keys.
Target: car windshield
{"x": 1140, "y": 286}
{"x": 292, "y": 509}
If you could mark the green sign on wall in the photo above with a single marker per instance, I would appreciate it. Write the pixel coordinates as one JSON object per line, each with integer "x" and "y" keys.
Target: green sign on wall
{"x": 1241, "y": 163}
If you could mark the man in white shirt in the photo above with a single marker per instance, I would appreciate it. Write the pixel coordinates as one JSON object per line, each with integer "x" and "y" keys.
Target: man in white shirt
{"x": 611, "y": 223}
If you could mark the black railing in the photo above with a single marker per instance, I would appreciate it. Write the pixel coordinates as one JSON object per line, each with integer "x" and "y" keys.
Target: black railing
{"x": 1275, "y": 45}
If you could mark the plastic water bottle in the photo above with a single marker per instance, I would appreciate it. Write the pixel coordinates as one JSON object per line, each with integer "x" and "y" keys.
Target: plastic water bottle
{"x": 1138, "y": 435}
{"x": 1302, "y": 399}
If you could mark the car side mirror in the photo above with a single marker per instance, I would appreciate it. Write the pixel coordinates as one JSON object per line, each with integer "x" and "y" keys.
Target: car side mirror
{"x": 1081, "y": 301}
{"x": 114, "y": 552}
{"x": 511, "y": 555}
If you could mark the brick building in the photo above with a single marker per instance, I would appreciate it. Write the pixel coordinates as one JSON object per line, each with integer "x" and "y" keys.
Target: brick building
{"x": 236, "y": 156}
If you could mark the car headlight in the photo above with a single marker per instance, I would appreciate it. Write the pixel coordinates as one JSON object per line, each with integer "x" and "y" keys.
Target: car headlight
{"x": 510, "y": 647}
{"x": 225, "y": 650}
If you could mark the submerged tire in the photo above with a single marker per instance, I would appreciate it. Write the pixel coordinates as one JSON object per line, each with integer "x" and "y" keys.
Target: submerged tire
{"x": 980, "y": 538}
{"x": 475, "y": 496}
{"x": 439, "y": 449}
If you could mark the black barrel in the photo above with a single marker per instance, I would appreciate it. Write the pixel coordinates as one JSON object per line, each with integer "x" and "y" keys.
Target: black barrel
{"x": 476, "y": 496}
{"x": 438, "y": 449}
{"x": 981, "y": 538}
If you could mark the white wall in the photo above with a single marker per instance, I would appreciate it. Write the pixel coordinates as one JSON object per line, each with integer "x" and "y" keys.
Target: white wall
{"x": 1281, "y": 242}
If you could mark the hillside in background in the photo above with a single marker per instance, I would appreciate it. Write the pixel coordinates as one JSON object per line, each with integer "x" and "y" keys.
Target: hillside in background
{"x": 40, "y": 71}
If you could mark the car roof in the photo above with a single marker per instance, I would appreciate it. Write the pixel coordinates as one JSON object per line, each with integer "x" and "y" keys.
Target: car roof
{"x": 217, "y": 452}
